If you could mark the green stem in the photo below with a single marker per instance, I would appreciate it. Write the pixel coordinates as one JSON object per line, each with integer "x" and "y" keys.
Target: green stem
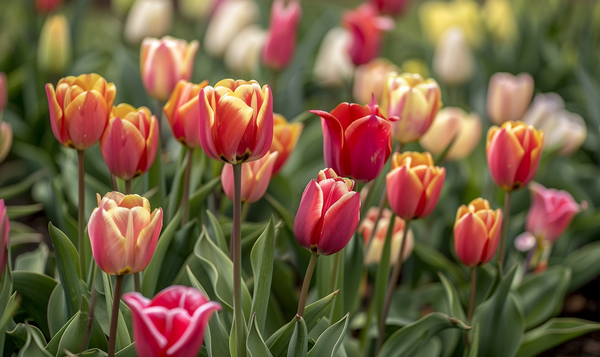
{"x": 504, "y": 232}
{"x": 245, "y": 209}
{"x": 306, "y": 284}
{"x": 136, "y": 282}
{"x": 81, "y": 211}
{"x": 473, "y": 292}
{"x": 186, "y": 186}
{"x": 114, "y": 317}
{"x": 236, "y": 243}
{"x": 88, "y": 326}
{"x": 128, "y": 187}
{"x": 382, "y": 202}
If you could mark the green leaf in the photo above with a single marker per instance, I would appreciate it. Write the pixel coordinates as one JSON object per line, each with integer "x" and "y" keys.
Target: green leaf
{"x": 57, "y": 314}
{"x": 23, "y": 185}
{"x": 54, "y": 343}
{"x": 123, "y": 338}
{"x": 436, "y": 261}
{"x": 182, "y": 245}
{"x": 9, "y": 310}
{"x": 454, "y": 305}
{"x": 408, "y": 340}
{"x": 433, "y": 348}
{"x": 128, "y": 351}
{"x": 317, "y": 310}
{"x": 285, "y": 215}
{"x": 262, "y": 257}
{"x": 354, "y": 258}
{"x": 553, "y": 333}
{"x": 199, "y": 196}
{"x": 34, "y": 261}
{"x": 33, "y": 341}
{"x": 585, "y": 265}
{"x": 255, "y": 344}
{"x": 216, "y": 233}
{"x": 299, "y": 342}
{"x": 15, "y": 212}
{"x": 35, "y": 290}
{"x": 330, "y": 340}
{"x": 176, "y": 192}
{"x": 474, "y": 349}
{"x": 155, "y": 180}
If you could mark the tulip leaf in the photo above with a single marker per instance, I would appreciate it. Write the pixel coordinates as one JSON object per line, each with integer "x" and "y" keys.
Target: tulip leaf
{"x": 255, "y": 343}
{"x": 262, "y": 257}
{"x": 15, "y": 212}
{"x": 216, "y": 232}
{"x": 57, "y": 316}
{"x": 176, "y": 193}
{"x": 155, "y": 180}
{"x": 454, "y": 304}
{"x": 330, "y": 340}
{"x": 34, "y": 261}
{"x": 198, "y": 197}
{"x": 410, "y": 339}
{"x": 354, "y": 258}
{"x": 298, "y": 346}
{"x": 382, "y": 277}
{"x": 436, "y": 261}
{"x": 9, "y": 309}
{"x": 35, "y": 289}
{"x": 23, "y": 185}
{"x": 31, "y": 339}
{"x": 182, "y": 245}
{"x": 585, "y": 265}
{"x": 554, "y": 332}
{"x": 287, "y": 217}
{"x": 233, "y": 340}
{"x": 128, "y": 351}
{"x": 123, "y": 338}
{"x": 54, "y": 343}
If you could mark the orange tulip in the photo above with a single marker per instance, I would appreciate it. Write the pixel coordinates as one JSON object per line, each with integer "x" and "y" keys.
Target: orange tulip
{"x": 182, "y": 113}
{"x": 285, "y": 137}
{"x": 477, "y": 232}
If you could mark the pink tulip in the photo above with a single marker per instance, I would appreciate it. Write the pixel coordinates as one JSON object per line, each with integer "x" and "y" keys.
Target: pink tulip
{"x": 4, "y": 230}
{"x": 124, "y": 232}
{"x": 46, "y": 6}
{"x": 3, "y": 91}
{"x": 373, "y": 254}
{"x": 182, "y": 113}
{"x": 328, "y": 215}
{"x": 477, "y": 232}
{"x": 172, "y": 324}
{"x": 365, "y": 26}
{"x": 281, "y": 38}
{"x": 255, "y": 178}
{"x": 357, "y": 140}
{"x": 390, "y": 7}
{"x": 508, "y": 96}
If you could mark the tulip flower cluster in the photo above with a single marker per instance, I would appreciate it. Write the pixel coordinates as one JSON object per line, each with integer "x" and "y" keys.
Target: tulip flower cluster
{"x": 375, "y": 248}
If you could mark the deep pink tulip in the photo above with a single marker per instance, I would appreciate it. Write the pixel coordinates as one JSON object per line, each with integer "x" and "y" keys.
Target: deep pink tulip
{"x": 281, "y": 38}
{"x": 365, "y": 26}
{"x": 3, "y": 91}
{"x": 172, "y": 324}
{"x": 328, "y": 215}
{"x": 357, "y": 140}
{"x": 477, "y": 232}
{"x": 390, "y": 7}
{"x": 255, "y": 178}
{"x": 4, "y": 230}
{"x": 46, "y": 6}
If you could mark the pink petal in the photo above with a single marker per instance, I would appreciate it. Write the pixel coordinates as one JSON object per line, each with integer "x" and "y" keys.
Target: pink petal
{"x": 470, "y": 239}
{"x": 367, "y": 142}
{"x": 404, "y": 191}
{"x": 309, "y": 214}
{"x": 333, "y": 142}
{"x": 504, "y": 156}
{"x": 339, "y": 223}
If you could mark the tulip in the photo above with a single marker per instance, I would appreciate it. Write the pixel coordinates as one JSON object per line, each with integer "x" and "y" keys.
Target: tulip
{"x": 414, "y": 100}
{"x": 172, "y": 323}
{"x": 183, "y": 114}
{"x": 255, "y": 178}
{"x": 477, "y": 232}
{"x": 6, "y": 137}
{"x": 243, "y": 53}
{"x": 236, "y": 121}
{"x": 513, "y": 153}
{"x": 333, "y": 66}
{"x": 356, "y": 140}
{"x": 390, "y": 7}
{"x": 500, "y": 20}
{"x": 54, "y": 47}
{"x": 369, "y": 79}
{"x": 452, "y": 59}
{"x": 3, "y": 91}
{"x": 227, "y": 21}
{"x": 4, "y": 241}
{"x": 437, "y": 17}
{"x": 79, "y": 109}
{"x": 453, "y": 126}
{"x": 365, "y": 26}
{"x": 375, "y": 249}
{"x": 123, "y": 233}
{"x": 285, "y": 137}
{"x": 508, "y": 96}
{"x": 543, "y": 105}
{"x": 130, "y": 141}
{"x": 148, "y": 18}
{"x": 165, "y": 62}
{"x": 281, "y": 38}
{"x": 414, "y": 184}
{"x": 198, "y": 9}
{"x": 47, "y": 6}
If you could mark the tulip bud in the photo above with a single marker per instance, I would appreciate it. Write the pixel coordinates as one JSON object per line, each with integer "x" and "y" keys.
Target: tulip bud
{"x": 236, "y": 120}
{"x": 369, "y": 79}
{"x": 172, "y": 323}
{"x": 165, "y": 62}
{"x": 255, "y": 178}
{"x": 477, "y": 232}
{"x": 453, "y": 126}
{"x": 414, "y": 100}
{"x": 130, "y": 141}
{"x": 390, "y": 7}
{"x": 227, "y": 21}
{"x": 79, "y": 109}
{"x": 6, "y": 137}
{"x": 243, "y": 53}
{"x": 357, "y": 140}
{"x": 543, "y": 106}
{"x": 182, "y": 112}
{"x": 500, "y": 19}
{"x": 4, "y": 241}
{"x": 328, "y": 215}
{"x": 148, "y": 18}
{"x": 281, "y": 38}
{"x": 54, "y": 48}
{"x": 513, "y": 153}
{"x": 3, "y": 91}
{"x": 47, "y": 6}
{"x": 508, "y": 96}
{"x": 285, "y": 137}
{"x": 414, "y": 184}
{"x": 373, "y": 254}
{"x": 452, "y": 59}
{"x": 333, "y": 66}
{"x": 123, "y": 233}
{"x": 437, "y": 17}
{"x": 365, "y": 26}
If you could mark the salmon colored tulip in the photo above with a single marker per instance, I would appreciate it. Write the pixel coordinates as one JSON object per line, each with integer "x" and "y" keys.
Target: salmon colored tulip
{"x": 124, "y": 232}
{"x": 390, "y": 7}
{"x": 79, "y": 109}
{"x": 130, "y": 141}
{"x": 54, "y": 46}
{"x": 369, "y": 79}
{"x": 4, "y": 241}
{"x": 414, "y": 184}
{"x": 172, "y": 324}
{"x": 164, "y": 62}
{"x": 281, "y": 38}
{"x": 508, "y": 96}
{"x": 3, "y": 91}
{"x": 414, "y": 100}
{"x": 328, "y": 215}
{"x": 477, "y": 232}
{"x": 373, "y": 254}
{"x": 285, "y": 138}
{"x": 182, "y": 112}
{"x": 357, "y": 140}
{"x": 6, "y": 138}
{"x": 513, "y": 153}
{"x": 46, "y": 6}
{"x": 366, "y": 27}
{"x": 255, "y": 178}
{"x": 236, "y": 121}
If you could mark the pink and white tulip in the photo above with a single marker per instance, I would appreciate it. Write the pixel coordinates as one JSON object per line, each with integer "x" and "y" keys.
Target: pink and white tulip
{"x": 508, "y": 96}
{"x": 256, "y": 176}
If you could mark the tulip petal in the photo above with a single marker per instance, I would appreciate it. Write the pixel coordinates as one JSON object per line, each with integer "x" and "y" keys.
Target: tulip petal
{"x": 404, "y": 191}
{"x": 433, "y": 190}
{"x": 144, "y": 328}
{"x": 160, "y": 83}
{"x": 59, "y": 127}
{"x": 147, "y": 240}
{"x": 262, "y": 177}
{"x": 369, "y": 142}
{"x": 192, "y": 338}
{"x": 122, "y": 147}
{"x": 333, "y": 142}
{"x": 504, "y": 155}
{"x": 206, "y": 98}
{"x": 151, "y": 146}
{"x": 108, "y": 244}
{"x": 86, "y": 117}
{"x": 470, "y": 239}
{"x": 339, "y": 223}
{"x": 232, "y": 130}
{"x": 309, "y": 214}
{"x": 188, "y": 115}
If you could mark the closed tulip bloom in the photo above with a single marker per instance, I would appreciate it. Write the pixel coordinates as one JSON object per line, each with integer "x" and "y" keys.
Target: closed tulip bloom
{"x": 182, "y": 112}
{"x": 356, "y": 140}
{"x": 256, "y": 176}
{"x": 414, "y": 100}
{"x": 54, "y": 47}
{"x": 165, "y": 62}
{"x": 333, "y": 65}
{"x": 3, "y": 91}
{"x": 47, "y": 6}
{"x": 236, "y": 120}
{"x": 453, "y": 126}
{"x": 373, "y": 254}
{"x": 513, "y": 153}
{"x": 172, "y": 323}
{"x": 452, "y": 59}
{"x": 328, "y": 215}
{"x": 437, "y": 17}
{"x": 148, "y": 18}
{"x": 124, "y": 232}
{"x": 390, "y": 7}
{"x": 285, "y": 138}
{"x": 477, "y": 232}
{"x": 281, "y": 38}
{"x": 244, "y": 52}
{"x": 6, "y": 138}
{"x": 227, "y": 21}
{"x": 79, "y": 109}
{"x": 369, "y": 79}
{"x": 130, "y": 141}
{"x": 4, "y": 241}
{"x": 508, "y": 96}
{"x": 414, "y": 184}
{"x": 366, "y": 27}
{"x": 542, "y": 106}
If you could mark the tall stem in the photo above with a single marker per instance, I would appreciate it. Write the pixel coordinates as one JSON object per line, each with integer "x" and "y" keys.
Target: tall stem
{"x": 88, "y": 326}
{"x": 382, "y": 202}
{"x": 114, "y": 316}
{"x": 305, "y": 285}
{"x": 504, "y": 232}
{"x": 128, "y": 187}
{"x": 236, "y": 237}
{"x": 473, "y": 293}
{"x": 81, "y": 213}
{"x": 391, "y": 285}
{"x": 186, "y": 186}
{"x": 136, "y": 276}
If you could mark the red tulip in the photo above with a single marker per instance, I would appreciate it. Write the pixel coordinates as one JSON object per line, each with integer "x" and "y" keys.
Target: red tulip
{"x": 183, "y": 114}
{"x": 477, "y": 232}
{"x": 46, "y": 6}
{"x": 172, "y": 324}
{"x": 285, "y": 137}
{"x": 390, "y": 7}
{"x": 255, "y": 178}
{"x": 365, "y": 26}
{"x": 281, "y": 38}
{"x": 4, "y": 242}
{"x": 328, "y": 215}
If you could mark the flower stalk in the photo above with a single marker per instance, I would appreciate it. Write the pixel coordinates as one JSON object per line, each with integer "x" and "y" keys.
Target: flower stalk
{"x": 305, "y": 285}
{"x": 81, "y": 211}
{"x": 114, "y": 316}
{"x": 236, "y": 243}
{"x": 504, "y": 232}
{"x": 186, "y": 186}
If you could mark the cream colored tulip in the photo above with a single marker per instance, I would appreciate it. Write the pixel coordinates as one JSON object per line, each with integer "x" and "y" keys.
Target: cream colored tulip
{"x": 148, "y": 18}
{"x": 54, "y": 48}
{"x": 452, "y": 59}
{"x": 227, "y": 21}
{"x": 333, "y": 66}
{"x": 508, "y": 96}
{"x": 243, "y": 53}
{"x": 369, "y": 79}
{"x": 453, "y": 124}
